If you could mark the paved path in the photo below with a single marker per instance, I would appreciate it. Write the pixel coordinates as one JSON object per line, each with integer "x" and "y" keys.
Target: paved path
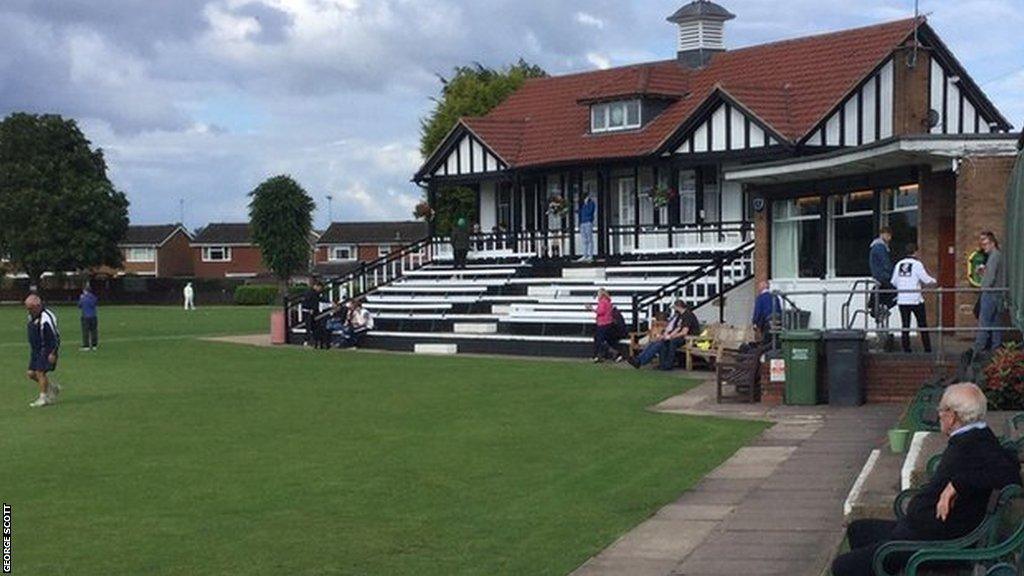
{"x": 775, "y": 507}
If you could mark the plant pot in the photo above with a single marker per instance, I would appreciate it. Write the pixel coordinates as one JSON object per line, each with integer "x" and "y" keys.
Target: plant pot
{"x": 898, "y": 440}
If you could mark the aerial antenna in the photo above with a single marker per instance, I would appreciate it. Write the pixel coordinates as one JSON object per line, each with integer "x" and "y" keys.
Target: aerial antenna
{"x": 917, "y": 42}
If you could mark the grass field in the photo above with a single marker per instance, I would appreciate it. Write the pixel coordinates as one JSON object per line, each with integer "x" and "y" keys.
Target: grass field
{"x": 172, "y": 455}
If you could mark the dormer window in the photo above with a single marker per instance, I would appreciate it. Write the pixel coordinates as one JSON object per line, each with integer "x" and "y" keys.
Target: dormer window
{"x": 613, "y": 116}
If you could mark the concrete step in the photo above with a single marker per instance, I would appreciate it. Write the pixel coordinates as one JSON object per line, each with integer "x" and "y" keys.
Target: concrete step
{"x": 474, "y": 328}
{"x": 590, "y": 273}
{"x": 440, "y": 349}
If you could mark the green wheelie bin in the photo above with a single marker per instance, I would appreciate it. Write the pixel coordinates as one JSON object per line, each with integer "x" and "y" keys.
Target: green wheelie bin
{"x": 800, "y": 350}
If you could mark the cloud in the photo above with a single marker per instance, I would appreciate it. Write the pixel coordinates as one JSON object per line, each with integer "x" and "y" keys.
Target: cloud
{"x": 203, "y": 99}
{"x": 589, "y": 20}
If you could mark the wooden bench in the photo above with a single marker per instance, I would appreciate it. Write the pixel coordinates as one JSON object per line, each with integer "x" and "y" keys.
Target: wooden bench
{"x": 740, "y": 371}
{"x": 719, "y": 338}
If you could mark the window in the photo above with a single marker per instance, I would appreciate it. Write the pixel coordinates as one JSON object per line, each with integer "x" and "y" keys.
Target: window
{"x": 612, "y": 116}
{"x": 712, "y": 197}
{"x": 140, "y": 255}
{"x": 852, "y": 229}
{"x": 216, "y": 254}
{"x": 687, "y": 197}
{"x": 796, "y": 238}
{"x": 383, "y": 250}
{"x": 343, "y": 252}
{"x": 899, "y": 212}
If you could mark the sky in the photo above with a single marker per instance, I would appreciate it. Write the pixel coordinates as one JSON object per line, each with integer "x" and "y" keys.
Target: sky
{"x": 195, "y": 102}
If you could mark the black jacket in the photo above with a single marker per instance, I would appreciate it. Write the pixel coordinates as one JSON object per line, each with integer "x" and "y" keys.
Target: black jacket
{"x": 976, "y": 465}
{"x": 460, "y": 238}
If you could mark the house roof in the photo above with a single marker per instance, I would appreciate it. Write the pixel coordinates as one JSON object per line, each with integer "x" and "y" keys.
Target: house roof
{"x": 373, "y": 232}
{"x": 699, "y": 9}
{"x": 150, "y": 235}
{"x": 792, "y": 85}
{"x": 224, "y": 233}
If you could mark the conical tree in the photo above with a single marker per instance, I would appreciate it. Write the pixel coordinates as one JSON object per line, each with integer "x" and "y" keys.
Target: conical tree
{"x": 281, "y": 216}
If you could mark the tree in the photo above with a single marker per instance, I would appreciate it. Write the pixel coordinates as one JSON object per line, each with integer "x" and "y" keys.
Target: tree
{"x": 452, "y": 204}
{"x": 281, "y": 215}
{"x": 58, "y": 210}
{"x": 473, "y": 91}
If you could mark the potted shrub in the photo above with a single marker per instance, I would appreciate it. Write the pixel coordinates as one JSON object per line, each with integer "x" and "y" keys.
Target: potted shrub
{"x": 1004, "y": 378}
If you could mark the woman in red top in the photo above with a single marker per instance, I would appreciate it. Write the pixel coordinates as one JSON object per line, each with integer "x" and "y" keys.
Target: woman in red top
{"x": 604, "y": 333}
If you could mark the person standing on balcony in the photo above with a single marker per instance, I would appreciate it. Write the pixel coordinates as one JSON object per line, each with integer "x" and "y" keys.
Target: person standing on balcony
{"x": 991, "y": 304}
{"x": 460, "y": 243}
{"x": 587, "y": 212}
{"x": 87, "y": 303}
{"x": 909, "y": 276}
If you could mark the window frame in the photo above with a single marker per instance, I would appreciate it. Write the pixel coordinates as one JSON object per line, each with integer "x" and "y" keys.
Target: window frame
{"x": 384, "y": 250}
{"x": 209, "y": 250}
{"x": 794, "y": 217}
{"x": 130, "y": 255}
{"x": 830, "y": 243}
{"x": 603, "y": 111}
{"x": 332, "y": 253}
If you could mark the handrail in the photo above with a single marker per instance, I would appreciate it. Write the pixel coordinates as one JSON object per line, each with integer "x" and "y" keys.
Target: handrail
{"x": 870, "y": 283}
{"x": 718, "y": 262}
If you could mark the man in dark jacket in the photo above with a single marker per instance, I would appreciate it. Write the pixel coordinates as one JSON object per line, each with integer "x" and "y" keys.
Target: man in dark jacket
{"x": 880, "y": 264}
{"x": 44, "y": 346}
{"x": 954, "y": 502}
{"x": 311, "y": 300}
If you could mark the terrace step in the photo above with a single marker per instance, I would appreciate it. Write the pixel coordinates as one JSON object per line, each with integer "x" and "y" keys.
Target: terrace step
{"x": 440, "y": 349}
{"x": 588, "y": 273}
{"x": 474, "y": 328}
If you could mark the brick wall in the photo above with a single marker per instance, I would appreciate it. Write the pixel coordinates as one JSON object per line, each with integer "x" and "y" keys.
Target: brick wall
{"x": 762, "y": 245}
{"x": 910, "y": 92}
{"x": 980, "y": 205}
{"x": 244, "y": 260}
{"x": 888, "y": 378}
{"x": 175, "y": 257}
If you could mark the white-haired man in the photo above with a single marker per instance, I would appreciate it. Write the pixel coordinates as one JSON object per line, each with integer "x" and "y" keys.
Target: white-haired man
{"x": 954, "y": 501}
{"x": 44, "y": 345}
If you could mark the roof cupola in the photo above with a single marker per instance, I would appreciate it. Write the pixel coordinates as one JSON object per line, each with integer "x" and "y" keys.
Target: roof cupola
{"x": 701, "y": 32}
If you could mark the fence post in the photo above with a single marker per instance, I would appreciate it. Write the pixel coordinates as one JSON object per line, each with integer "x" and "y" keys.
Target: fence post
{"x": 287, "y": 321}
{"x": 721, "y": 297}
{"x": 636, "y": 312}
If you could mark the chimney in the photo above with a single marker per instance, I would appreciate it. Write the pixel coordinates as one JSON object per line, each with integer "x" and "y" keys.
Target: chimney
{"x": 701, "y": 24}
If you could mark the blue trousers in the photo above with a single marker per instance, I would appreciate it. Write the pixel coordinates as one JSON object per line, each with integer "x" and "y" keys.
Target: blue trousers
{"x": 587, "y": 238}
{"x": 988, "y": 317}
{"x": 664, "y": 350}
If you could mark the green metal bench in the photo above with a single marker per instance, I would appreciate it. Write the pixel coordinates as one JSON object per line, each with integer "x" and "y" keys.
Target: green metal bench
{"x": 995, "y": 545}
{"x": 923, "y": 410}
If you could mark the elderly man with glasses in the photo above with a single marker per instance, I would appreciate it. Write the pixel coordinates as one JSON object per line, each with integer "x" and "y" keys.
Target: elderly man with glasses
{"x": 953, "y": 503}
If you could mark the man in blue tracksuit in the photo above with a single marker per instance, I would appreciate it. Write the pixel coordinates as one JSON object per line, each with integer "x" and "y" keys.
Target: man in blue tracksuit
{"x": 586, "y": 218}
{"x": 87, "y": 303}
{"x": 44, "y": 343}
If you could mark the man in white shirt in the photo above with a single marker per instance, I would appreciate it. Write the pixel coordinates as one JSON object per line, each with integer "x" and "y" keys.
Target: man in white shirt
{"x": 908, "y": 276}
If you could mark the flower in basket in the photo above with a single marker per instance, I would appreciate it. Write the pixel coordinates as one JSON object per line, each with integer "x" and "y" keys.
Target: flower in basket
{"x": 557, "y": 206}
{"x": 423, "y": 211}
{"x": 662, "y": 195}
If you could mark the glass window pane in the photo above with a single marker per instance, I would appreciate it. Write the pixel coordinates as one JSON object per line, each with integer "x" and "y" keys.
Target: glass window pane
{"x": 598, "y": 117}
{"x": 906, "y": 196}
{"x": 633, "y": 113}
{"x": 863, "y": 201}
{"x": 904, "y": 231}
{"x": 853, "y": 234}
{"x": 687, "y": 197}
{"x": 807, "y": 206}
{"x": 617, "y": 116}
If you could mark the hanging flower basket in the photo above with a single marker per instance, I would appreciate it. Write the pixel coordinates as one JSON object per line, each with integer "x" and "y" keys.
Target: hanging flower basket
{"x": 557, "y": 206}
{"x": 661, "y": 196}
{"x": 423, "y": 211}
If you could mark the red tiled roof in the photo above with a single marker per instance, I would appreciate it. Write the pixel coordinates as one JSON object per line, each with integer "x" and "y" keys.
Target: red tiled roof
{"x": 791, "y": 85}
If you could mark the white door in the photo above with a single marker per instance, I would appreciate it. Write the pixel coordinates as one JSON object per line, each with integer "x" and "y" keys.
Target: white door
{"x": 627, "y": 214}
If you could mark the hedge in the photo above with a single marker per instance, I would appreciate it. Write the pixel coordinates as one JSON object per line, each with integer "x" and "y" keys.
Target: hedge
{"x": 256, "y": 295}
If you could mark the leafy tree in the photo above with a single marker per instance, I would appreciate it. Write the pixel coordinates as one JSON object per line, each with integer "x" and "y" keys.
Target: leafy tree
{"x": 281, "y": 215}
{"x": 58, "y": 210}
{"x": 473, "y": 91}
{"x": 452, "y": 204}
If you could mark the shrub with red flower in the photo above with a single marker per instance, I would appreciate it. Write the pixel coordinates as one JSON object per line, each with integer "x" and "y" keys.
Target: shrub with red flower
{"x": 661, "y": 196}
{"x": 1004, "y": 378}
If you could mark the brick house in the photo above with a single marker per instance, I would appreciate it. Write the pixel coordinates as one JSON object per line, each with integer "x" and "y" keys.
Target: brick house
{"x": 226, "y": 250}
{"x": 345, "y": 244}
{"x": 161, "y": 251}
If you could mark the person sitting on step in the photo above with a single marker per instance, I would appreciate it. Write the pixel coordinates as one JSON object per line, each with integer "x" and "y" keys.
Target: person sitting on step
{"x": 358, "y": 322}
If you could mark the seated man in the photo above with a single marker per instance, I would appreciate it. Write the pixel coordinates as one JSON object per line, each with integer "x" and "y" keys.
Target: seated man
{"x": 954, "y": 502}
{"x": 358, "y": 322}
{"x": 767, "y": 308}
{"x": 681, "y": 324}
